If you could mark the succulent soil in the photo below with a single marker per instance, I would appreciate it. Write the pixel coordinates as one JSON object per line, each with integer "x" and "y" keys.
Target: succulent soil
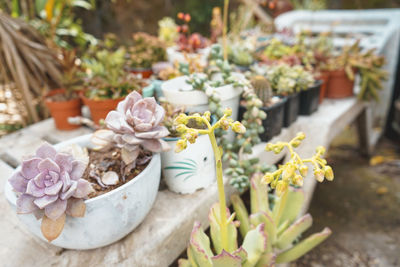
{"x": 110, "y": 160}
{"x": 62, "y": 97}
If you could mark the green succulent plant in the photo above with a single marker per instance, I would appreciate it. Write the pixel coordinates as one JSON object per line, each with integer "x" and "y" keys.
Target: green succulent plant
{"x": 270, "y": 234}
{"x": 106, "y": 77}
{"x": 240, "y": 56}
{"x": 286, "y": 80}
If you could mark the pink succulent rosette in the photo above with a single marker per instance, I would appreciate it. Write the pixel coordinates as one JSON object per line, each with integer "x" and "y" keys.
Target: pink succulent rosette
{"x": 50, "y": 181}
{"x": 136, "y": 124}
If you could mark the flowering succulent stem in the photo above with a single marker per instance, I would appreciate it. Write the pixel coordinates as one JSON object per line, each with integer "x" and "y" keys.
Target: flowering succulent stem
{"x": 190, "y": 134}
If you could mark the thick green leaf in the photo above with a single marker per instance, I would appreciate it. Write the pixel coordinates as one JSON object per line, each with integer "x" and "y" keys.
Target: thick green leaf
{"x": 240, "y": 252}
{"x": 294, "y": 203}
{"x": 294, "y": 231}
{"x": 266, "y": 260}
{"x": 303, "y": 247}
{"x": 259, "y": 195}
{"x": 254, "y": 243}
{"x": 199, "y": 250}
{"x": 82, "y": 4}
{"x": 215, "y": 230}
{"x": 241, "y": 214}
{"x": 39, "y": 5}
{"x": 269, "y": 227}
{"x": 226, "y": 260}
{"x": 184, "y": 263}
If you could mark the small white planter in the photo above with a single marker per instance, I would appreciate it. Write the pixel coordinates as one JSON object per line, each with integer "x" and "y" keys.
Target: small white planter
{"x": 109, "y": 217}
{"x": 179, "y": 93}
{"x": 174, "y": 55}
{"x": 191, "y": 169}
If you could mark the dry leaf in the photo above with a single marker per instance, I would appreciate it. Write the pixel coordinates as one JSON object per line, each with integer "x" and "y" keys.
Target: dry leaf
{"x": 52, "y": 229}
{"x": 76, "y": 207}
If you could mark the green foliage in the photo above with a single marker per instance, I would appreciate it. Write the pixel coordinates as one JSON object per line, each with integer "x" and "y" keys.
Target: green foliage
{"x": 269, "y": 236}
{"x": 107, "y": 78}
{"x": 239, "y": 55}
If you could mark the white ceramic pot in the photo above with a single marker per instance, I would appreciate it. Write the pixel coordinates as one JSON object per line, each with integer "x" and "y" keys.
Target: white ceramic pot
{"x": 109, "y": 217}
{"x": 191, "y": 169}
{"x": 174, "y": 55}
{"x": 179, "y": 93}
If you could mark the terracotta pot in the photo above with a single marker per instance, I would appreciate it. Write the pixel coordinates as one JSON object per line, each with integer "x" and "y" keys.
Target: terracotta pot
{"x": 339, "y": 85}
{"x": 324, "y": 77}
{"x": 62, "y": 110}
{"x": 100, "y": 108}
{"x": 146, "y": 73}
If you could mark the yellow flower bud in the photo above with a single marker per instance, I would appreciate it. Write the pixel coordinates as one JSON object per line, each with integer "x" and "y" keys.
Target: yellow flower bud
{"x": 191, "y": 136}
{"x": 288, "y": 172}
{"x": 181, "y": 128}
{"x": 269, "y": 147}
{"x": 207, "y": 115}
{"x": 303, "y": 170}
{"x": 180, "y": 145}
{"x": 181, "y": 119}
{"x": 238, "y": 127}
{"x": 281, "y": 187}
{"x": 319, "y": 175}
{"x": 295, "y": 143}
{"x": 224, "y": 124}
{"x": 268, "y": 178}
{"x": 228, "y": 112}
{"x": 301, "y": 135}
{"x": 328, "y": 173}
{"x": 321, "y": 150}
{"x": 298, "y": 180}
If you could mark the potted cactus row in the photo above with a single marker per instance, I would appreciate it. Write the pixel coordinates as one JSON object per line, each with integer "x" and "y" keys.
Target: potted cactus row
{"x": 93, "y": 190}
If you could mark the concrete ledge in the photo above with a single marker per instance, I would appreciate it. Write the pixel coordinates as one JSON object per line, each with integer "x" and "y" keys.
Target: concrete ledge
{"x": 164, "y": 234}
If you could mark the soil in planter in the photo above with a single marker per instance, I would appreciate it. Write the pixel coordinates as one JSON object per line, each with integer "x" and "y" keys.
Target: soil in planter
{"x": 110, "y": 160}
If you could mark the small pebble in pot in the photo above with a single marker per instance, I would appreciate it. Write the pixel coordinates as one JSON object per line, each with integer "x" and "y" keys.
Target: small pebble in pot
{"x": 110, "y": 178}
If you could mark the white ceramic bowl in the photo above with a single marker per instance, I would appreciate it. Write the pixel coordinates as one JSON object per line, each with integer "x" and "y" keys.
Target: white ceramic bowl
{"x": 109, "y": 217}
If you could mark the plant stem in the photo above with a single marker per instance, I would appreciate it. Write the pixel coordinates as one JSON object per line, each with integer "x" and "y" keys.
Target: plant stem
{"x": 221, "y": 191}
{"x": 225, "y": 28}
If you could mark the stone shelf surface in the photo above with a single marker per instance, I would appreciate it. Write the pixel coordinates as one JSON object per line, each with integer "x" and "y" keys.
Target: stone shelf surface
{"x": 164, "y": 233}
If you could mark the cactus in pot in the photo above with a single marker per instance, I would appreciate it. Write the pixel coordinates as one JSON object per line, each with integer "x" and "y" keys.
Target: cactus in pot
{"x": 262, "y": 88}
{"x": 268, "y": 234}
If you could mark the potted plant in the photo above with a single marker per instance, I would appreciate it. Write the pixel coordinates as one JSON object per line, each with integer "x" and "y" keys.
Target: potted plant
{"x": 144, "y": 52}
{"x": 269, "y": 234}
{"x": 240, "y": 56}
{"x": 216, "y": 89}
{"x": 107, "y": 83}
{"x": 65, "y": 102}
{"x": 109, "y": 180}
{"x": 185, "y": 173}
{"x": 273, "y": 106}
{"x": 188, "y": 45}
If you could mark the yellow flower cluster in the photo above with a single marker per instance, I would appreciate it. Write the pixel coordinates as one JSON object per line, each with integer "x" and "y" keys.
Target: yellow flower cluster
{"x": 294, "y": 171}
{"x": 190, "y": 134}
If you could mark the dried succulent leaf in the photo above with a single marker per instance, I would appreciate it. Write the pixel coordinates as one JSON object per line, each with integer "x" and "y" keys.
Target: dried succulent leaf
{"x": 76, "y": 207}
{"x": 52, "y": 229}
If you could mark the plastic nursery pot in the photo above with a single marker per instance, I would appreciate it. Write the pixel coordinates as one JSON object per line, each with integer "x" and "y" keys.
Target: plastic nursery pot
{"x": 108, "y": 217}
{"x": 146, "y": 73}
{"x": 62, "y": 110}
{"x": 339, "y": 85}
{"x": 100, "y": 108}
{"x": 291, "y": 109}
{"x": 309, "y": 99}
{"x": 273, "y": 123}
{"x": 324, "y": 77}
{"x": 191, "y": 169}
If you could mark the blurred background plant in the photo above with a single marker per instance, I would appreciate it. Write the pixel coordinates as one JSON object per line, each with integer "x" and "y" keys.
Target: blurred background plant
{"x": 145, "y": 51}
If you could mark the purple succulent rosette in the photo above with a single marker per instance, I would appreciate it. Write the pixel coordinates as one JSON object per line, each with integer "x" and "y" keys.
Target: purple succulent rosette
{"x": 136, "y": 124}
{"x": 49, "y": 181}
